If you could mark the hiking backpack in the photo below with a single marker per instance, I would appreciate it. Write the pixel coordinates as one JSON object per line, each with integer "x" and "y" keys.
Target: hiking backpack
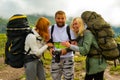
{"x": 103, "y": 33}
{"x": 17, "y": 30}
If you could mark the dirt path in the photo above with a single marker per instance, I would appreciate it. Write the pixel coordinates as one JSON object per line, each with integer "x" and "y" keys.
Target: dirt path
{"x": 111, "y": 77}
{"x": 8, "y": 73}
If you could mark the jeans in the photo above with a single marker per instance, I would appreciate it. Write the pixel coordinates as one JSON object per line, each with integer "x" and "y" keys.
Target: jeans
{"x": 34, "y": 70}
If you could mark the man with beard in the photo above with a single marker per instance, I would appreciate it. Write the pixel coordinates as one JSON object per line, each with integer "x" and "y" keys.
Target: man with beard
{"x": 63, "y": 65}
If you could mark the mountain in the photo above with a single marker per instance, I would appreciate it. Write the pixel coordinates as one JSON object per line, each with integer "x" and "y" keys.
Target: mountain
{"x": 116, "y": 30}
{"x": 3, "y": 23}
{"x": 33, "y": 18}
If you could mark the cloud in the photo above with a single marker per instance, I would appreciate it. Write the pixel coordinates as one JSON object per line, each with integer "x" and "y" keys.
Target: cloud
{"x": 109, "y": 9}
{"x": 10, "y": 7}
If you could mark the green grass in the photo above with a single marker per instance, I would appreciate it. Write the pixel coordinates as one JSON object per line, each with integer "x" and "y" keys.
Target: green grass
{"x": 2, "y": 44}
{"x": 79, "y": 62}
{"x": 79, "y": 59}
{"x": 115, "y": 70}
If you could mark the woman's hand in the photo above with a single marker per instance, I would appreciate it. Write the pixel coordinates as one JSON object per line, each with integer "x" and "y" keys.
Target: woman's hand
{"x": 66, "y": 44}
{"x": 50, "y": 45}
{"x": 74, "y": 42}
{"x": 50, "y": 48}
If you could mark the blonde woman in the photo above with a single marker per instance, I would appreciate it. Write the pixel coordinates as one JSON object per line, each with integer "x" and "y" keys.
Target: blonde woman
{"x": 95, "y": 64}
{"x": 77, "y": 26}
{"x": 36, "y": 44}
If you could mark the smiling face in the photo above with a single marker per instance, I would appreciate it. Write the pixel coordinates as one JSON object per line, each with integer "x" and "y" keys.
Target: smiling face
{"x": 60, "y": 20}
{"x": 76, "y": 26}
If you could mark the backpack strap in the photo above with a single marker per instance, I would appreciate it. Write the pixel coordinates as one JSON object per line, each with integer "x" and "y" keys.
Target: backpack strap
{"x": 36, "y": 39}
{"x": 28, "y": 51}
{"x": 52, "y": 28}
{"x": 68, "y": 32}
{"x": 32, "y": 55}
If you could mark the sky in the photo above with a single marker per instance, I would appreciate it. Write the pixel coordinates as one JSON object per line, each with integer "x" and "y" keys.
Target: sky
{"x": 109, "y": 9}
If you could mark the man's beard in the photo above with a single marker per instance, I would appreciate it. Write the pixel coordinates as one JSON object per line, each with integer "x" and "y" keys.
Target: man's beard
{"x": 60, "y": 25}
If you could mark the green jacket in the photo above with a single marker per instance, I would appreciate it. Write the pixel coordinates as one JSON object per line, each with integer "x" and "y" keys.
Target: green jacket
{"x": 93, "y": 64}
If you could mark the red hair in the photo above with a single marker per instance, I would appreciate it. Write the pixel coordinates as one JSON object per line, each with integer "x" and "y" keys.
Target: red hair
{"x": 42, "y": 27}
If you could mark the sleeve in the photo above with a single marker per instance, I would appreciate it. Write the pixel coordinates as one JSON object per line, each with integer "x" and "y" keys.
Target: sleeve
{"x": 74, "y": 47}
{"x": 87, "y": 41}
{"x": 34, "y": 46}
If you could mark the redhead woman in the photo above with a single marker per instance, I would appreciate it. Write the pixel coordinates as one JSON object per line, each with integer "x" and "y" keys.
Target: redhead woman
{"x": 36, "y": 44}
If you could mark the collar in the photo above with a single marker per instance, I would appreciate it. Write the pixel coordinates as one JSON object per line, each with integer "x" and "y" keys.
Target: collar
{"x": 36, "y": 34}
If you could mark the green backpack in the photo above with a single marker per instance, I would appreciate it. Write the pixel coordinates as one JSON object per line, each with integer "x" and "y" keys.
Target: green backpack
{"x": 103, "y": 33}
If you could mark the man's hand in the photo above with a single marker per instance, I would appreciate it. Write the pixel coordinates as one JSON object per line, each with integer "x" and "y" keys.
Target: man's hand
{"x": 63, "y": 52}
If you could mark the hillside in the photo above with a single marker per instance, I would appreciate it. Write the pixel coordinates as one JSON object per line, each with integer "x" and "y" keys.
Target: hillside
{"x": 33, "y": 18}
{"x": 2, "y": 25}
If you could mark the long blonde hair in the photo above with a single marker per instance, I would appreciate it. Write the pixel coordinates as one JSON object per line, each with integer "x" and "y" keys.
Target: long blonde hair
{"x": 81, "y": 28}
{"x": 42, "y": 27}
